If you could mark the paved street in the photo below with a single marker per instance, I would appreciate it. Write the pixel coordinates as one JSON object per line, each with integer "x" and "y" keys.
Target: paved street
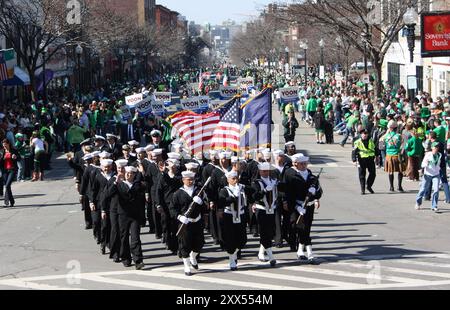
{"x": 372, "y": 242}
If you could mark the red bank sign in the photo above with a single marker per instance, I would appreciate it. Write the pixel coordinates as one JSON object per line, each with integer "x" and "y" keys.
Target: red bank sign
{"x": 436, "y": 34}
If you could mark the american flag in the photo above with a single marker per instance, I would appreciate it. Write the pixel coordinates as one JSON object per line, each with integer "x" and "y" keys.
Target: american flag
{"x": 196, "y": 129}
{"x": 227, "y": 134}
{"x": 3, "y": 68}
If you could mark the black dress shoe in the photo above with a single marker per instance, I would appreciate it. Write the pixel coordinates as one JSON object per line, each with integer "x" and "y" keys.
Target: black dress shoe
{"x": 233, "y": 269}
{"x": 140, "y": 266}
{"x": 392, "y": 190}
{"x": 273, "y": 263}
{"x": 126, "y": 263}
{"x": 401, "y": 190}
{"x": 188, "y": 274}
{"x": 116, "y": 260}
{"x": 158, "y": 237}
{"x": 302, "y": 258}
{"x": 88, "y": 227}
{"x": 370, "y": 190}
{"x": 363, "y": 193}
{"x": 103, "y": 250}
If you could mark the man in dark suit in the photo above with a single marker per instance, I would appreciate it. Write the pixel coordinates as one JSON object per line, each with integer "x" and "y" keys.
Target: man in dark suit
{"x": 129, "y": 132}
{"x": 114, "y": 147}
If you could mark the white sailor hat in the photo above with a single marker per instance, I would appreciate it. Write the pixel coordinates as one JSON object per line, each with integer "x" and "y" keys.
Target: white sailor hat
{"x": 86, "y": 142}
{"x": 96, "y": 153}
{"x": 265, "y": 167}
{"x": 231, "y": 174}
{"x": 290, "y": 143}
{"x": 278, "y": 153}
{"x": 131, "y": 169}
{"x": 110, "y": 135}
{"x": 188, "y": 174}
{"x": 140, "y": 150}
{"x": 88, "y": 156}
{"x": 121, "y": 163}
{"x": 106, "y": 162}
{"x": 133, "y": 142}
{"x": 267, "y": 154}
{"x": 226, "y": 155}
{"x": 149, "y": 148}
{"x": 174, "y": 156}
{"x": 157, "y": 152}
{"x": 192, "y": 165}
{"x": 97, "y": 137}
{"x": 213, "y": 154}
{"x": 173, "y": 161}
{"x": 234, "y": 159}
{"x": 156, "y": 133}
{"x": 300, "y": 158}
{"x": 104, "y": 155}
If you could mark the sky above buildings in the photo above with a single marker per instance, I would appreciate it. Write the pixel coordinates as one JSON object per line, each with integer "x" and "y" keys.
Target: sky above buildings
{"x": 216, "y": 11}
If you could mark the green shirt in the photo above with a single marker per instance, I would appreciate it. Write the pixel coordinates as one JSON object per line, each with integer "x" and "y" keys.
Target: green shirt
{"x": 75, "y": 134}
{"x": 393, "y": 143}
{"x": 441, "y": 134}
{"x": 415, "y": 147}
{"x": 312, "y": 105}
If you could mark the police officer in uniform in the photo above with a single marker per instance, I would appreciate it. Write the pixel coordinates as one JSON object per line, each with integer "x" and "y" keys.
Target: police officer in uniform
{"x": 87, "y": 159}
{"x": 264, "y": 202}
{"x": 231, "y": 207}
{"x": 191, "y": 241}
{"x": 364, "y": 152}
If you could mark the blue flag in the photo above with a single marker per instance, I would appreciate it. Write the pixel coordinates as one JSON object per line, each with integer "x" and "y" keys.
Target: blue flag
{"x": 257, "y": 121}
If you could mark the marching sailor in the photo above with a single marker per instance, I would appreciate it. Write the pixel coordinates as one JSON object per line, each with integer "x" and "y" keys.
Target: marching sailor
{"x": 303, "y": 192}
{"x": 191, "y": 241}
{"x": 264, "y": 202}
{"x": 231, "y": 207}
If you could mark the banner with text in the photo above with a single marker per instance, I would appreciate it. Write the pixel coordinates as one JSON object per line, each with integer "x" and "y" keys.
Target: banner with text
{"x": 228, "y": 92}
{"x": 289, "y": 94}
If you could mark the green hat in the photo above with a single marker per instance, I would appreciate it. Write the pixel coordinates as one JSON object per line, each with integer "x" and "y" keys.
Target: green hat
{"x": 19, "y": 135}
{"x": 383, "y": 123}
{"x": 444, "y": 114}
{"x": 435, "y": 144}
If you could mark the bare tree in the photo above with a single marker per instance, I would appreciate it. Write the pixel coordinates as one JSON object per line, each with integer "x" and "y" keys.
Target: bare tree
{"x": 32, "y": 27}
{"x": 351, "y": 20}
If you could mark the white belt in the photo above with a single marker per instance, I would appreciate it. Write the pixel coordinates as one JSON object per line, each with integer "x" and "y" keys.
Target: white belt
{"x": 230, "y": 212}
{"x": 195, "y": 220}
{"x": 261, "y": 207}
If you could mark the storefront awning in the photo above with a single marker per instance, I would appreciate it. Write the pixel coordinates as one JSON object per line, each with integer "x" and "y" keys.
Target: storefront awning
{"x": 21, "y": 78}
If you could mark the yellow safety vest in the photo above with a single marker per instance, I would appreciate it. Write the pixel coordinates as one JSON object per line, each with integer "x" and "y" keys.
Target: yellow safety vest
{"x": 363, "y": 151}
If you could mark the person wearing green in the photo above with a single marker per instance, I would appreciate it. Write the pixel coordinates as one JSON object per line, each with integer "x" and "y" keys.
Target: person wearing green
{"x": 415, "y": 152}
{"x": 440, "y": 131}
{"x": 394, "y": 164}
{"x": 352, "y": 122}
{"x": 20, "y": 146}
{"x": 75, "y": 135}
{"x": 364, "y": 153}
{"x": 311, "y": 109}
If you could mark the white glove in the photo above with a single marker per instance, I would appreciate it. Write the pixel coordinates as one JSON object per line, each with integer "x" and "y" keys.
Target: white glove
{"x": 198, "y": 200}
{"x": 301, "y": 210}
{"x": 184, "y": 220}
{"x": 312, "y": 191}
{"x": 269, "y": 188}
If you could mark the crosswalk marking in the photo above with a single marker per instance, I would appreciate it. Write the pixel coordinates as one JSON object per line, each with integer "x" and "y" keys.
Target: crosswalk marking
{"x": 428, "y": 264}
{"x": 35, "y": 286}
{"x": 147, "y": 285}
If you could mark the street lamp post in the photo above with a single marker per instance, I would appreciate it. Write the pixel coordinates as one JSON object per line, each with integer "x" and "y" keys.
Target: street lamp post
{"x": 366, "y": 38}
{"x": 44, "y": 53}
{"x": 304, "y": 46}
{"x": 410, "y": 20}
{"x": 79, "y": 51}
{"x": 121, "y": 54}
{"x": 145, "y": 65}
{"x": 322, "y": 45}
{"x": 286, "y": 50}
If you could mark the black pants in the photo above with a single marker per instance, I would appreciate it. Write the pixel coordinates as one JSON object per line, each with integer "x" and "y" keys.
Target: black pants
{"x": 213, "y": 225}
{"x": 289, "y": 138}
{"x": 278, "y": 226}
{"x": 97, "y": 224}
{"x": 304, "y": 235}
{"x": 367, "y": 164}
{"x": 192, "y": 240}
{"x": 114, "y": 238}
{"x": 151, "y": 222}
{"x": 253, "y": 222}
{"x": 130, "y": 227}
{"x": 157, "y": 221}
{"x": 87, "y": 211}
{"x": 106, "y": 230}
{"x": 234, "y": 235}
{"x": 266, "y": 228}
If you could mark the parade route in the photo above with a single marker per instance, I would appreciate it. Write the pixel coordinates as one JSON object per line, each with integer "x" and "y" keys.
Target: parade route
{"x": 362, "y": 242}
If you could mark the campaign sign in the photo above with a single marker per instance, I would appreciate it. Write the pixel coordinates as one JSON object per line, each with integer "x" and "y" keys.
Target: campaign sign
{"x": 126, "y": 114}
{"x": 158, "y": 108}
{"x": 190, "y": 104}
{"x": 244, "y": 84}
{"x": 133, "y": 100}
{"x": 204, "y": 103}
{"x": 145, "y": 106}
{"x": 164, "y": 97}
{"x": 228, "y": 92}
{"x": 215, "y": 104}
{"x": 289, "y": 94}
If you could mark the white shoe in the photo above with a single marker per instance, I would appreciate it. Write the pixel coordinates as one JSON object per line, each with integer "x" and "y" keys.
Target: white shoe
{"x": 187, "y": 267}
{"x": 233, "y": 265}
{"x": 261, "y": 255}
{"x": 193, "y": 260}
{"x": 417, "y": 206}
{"x": 272, "y": 260}
{"x": 309, "y": 252}
{"x": 300, "y": 253}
